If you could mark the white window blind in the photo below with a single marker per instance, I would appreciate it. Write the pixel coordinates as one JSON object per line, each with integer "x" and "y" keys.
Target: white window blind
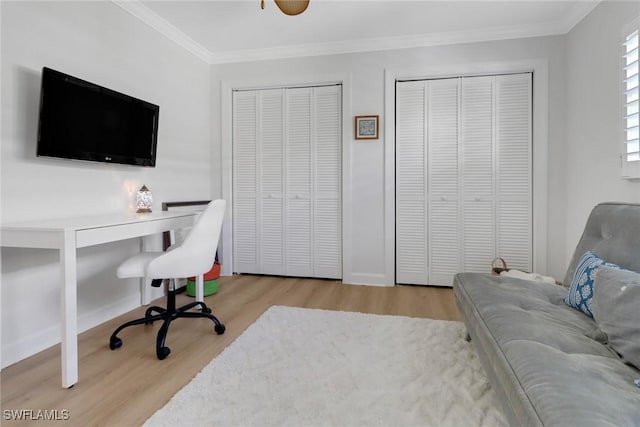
{"x": 631, "y": 103}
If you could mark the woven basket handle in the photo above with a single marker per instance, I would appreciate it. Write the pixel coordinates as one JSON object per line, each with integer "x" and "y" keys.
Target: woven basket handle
{"x": 498, "y": 265}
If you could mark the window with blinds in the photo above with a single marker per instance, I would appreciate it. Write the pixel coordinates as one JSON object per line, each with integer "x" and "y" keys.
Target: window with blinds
{"x": 631, "y": 103}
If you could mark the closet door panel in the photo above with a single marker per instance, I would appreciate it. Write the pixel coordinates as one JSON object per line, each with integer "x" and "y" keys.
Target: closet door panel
{"x": 298, "y": 194}
{"x": 477, "y": 152}
{"x": 444, "y": 238}
{"x": 479, "y": 236}
{"x": 443, "y": 180}
{"x": 272, "y": 143}
{"x": 476, "y": 137}
{"x": 245, "y": 236}
{"x": 272, "y": 237}
{"x": 245, "y": 146}
{"x": 327, "y": 239}
{"x": 327, "y": 144}
{"x": 299, "y": 261}
{"x": 327, "y": 155}
{"x": 411, "y": 189}
{"x": 271, "y": 171}
{"x": 442, "y": 138}
{"x": 298, "y": 142}
{"x": 245, "y": 182}
{"x": 514, "y": 175}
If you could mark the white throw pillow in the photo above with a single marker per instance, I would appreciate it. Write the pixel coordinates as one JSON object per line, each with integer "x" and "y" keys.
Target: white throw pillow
{"x": 528, "y": 276}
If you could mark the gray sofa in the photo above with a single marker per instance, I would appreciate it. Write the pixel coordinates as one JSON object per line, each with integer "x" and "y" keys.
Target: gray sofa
{"x": 539, "y": 353}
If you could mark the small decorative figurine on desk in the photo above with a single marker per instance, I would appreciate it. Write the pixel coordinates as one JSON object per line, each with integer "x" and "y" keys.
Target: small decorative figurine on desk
{"x": 144, "y": 199}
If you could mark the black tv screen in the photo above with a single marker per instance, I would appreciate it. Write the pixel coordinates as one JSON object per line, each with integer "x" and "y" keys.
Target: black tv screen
{"x": 85, "y": 121}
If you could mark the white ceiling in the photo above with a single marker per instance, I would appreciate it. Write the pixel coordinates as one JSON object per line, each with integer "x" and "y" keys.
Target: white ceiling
{"x": 220, "y": 31}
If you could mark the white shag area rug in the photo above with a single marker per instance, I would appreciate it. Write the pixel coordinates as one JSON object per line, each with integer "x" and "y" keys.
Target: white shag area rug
{"x": 309, "y": 367}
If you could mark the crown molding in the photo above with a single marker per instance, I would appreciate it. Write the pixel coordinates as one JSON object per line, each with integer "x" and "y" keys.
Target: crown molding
{"x": 385, "y": 43}
{"x": 164, "y": 27}
{"x": 580, "y": 10}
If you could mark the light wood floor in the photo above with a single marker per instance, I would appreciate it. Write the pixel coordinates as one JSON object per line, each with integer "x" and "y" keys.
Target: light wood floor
{"x": 126, "y": 386}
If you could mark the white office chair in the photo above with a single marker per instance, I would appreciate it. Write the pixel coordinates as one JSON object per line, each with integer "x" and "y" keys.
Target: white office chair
{"x": 193, "y": 257}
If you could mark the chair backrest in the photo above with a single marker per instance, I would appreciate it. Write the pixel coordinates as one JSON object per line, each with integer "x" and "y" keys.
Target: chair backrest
{"x": 196, "y": 254}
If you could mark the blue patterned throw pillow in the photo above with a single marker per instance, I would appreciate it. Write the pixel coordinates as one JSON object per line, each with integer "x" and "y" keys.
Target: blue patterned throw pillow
{"x": 580, "y": 293}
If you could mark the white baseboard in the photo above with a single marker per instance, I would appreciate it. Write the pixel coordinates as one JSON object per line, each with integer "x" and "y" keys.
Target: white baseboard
{"x": 47, "y": 337}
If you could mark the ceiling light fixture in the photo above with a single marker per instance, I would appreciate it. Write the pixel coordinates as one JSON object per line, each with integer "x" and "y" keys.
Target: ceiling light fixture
{"x": 290, "y": 7}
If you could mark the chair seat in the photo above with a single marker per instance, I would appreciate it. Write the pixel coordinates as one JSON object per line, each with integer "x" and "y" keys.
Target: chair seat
{"x": 136, "y": 266}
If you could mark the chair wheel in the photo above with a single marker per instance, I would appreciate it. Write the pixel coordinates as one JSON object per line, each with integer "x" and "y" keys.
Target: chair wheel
{"x": 220, "y": 329}
{"x": 163, "y": 353}
{"x": 115, "y": 343}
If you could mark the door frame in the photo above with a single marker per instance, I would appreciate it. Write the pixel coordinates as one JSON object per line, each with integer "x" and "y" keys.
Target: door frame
{"x": 539, "y": 146}
{"x": 226, "y": 108}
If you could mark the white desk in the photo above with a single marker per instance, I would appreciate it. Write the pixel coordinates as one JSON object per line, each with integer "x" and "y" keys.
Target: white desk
{"x": 69, "y": 234}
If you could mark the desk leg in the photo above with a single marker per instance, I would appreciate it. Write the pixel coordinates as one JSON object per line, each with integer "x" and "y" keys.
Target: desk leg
{"x": 145, "y": 290}
{"x": 69, "y": 308}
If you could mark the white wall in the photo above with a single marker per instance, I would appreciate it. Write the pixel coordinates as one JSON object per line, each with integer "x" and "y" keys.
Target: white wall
{"x": 367, "y": 179}
{"x": 593, "y": 116}
{"x": 101, "y": 43}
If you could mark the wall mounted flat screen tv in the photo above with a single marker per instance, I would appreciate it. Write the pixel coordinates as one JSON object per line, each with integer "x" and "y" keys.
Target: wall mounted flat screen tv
{"x": 85, "y": 121}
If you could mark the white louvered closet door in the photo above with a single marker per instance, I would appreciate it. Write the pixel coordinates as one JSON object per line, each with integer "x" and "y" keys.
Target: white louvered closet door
{"x": 443, "y": 179}
{"x": 463, "y": 176}
{"x": 411, "y": 189}
{"x": 299, "y": 255}
{"x": 271, "y": 216}
{"x": 514, "y": 170}
{"x": 287, "y": 182}
{"x": 245, "y": 182}
{"x": 477, "y": 187}
{"x": 327, "y": 161}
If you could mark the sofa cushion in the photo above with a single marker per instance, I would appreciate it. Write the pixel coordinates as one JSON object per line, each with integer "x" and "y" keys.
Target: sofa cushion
{"x": 575, "y": 389}
{"x": 580, "y": 294}
{"x": 616, "y": 309}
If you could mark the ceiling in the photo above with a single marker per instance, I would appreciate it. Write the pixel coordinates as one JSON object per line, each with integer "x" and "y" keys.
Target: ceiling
{"x": 220, "y": 31}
